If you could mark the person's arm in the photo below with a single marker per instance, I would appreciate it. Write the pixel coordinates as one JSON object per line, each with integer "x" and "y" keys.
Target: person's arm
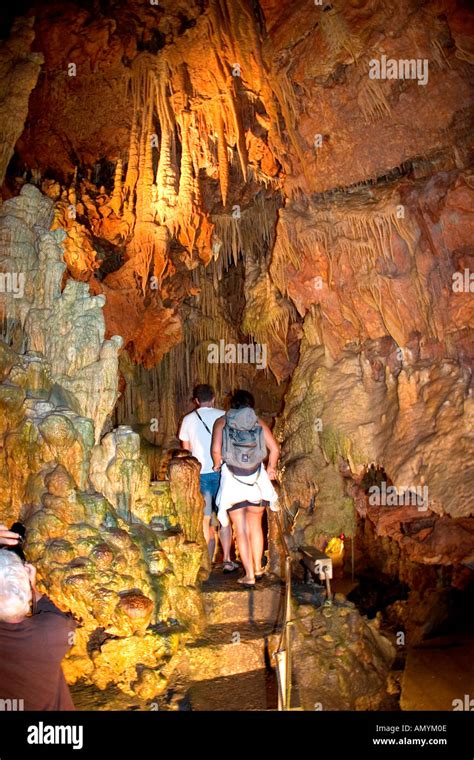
{"x": 7, "y": 538}
{"x": 56, "y": 628}
{"x": 184, "y": 436}
{"x": 59, "y": 626}
{"x": 273, "y": 448}
{"x": 216, "y": 446}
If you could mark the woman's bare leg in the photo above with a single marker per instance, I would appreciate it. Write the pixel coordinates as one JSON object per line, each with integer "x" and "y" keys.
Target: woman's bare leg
{"x": 239, "y": 521}
{"x": 255, "y": 535}
{"x": 209, "y": 535}
{"x": 225, "y": 535}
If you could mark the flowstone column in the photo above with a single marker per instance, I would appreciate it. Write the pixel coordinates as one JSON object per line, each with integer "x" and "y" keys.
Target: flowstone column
{"x": 67, "y": 327}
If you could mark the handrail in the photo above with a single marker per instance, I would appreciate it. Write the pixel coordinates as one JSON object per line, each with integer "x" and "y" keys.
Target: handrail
{"x": 283, "y": 654}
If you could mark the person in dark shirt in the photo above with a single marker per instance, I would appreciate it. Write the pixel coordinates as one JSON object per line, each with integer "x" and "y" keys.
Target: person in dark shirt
{"x": 32, "y": 646}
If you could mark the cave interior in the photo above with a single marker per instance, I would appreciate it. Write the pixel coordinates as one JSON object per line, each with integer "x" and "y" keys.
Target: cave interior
{"x": 275, "y": 196}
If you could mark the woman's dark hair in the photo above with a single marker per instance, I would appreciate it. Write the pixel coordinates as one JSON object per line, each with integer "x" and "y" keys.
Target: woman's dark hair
{"x": 241, "y": 399}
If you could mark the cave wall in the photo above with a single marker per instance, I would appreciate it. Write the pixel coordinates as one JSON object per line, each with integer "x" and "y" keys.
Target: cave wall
{"x": 19, "y": 71}
{"x": 251, "y": 143}
{"x": 368, "y": 250}
{"x": 385, "y": 364}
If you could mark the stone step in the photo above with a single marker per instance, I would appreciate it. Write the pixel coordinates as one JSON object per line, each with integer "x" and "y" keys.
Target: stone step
{"x": 226, "y": 602}
{"x": 231, "y": 649}
{"x": 254, "y": 690}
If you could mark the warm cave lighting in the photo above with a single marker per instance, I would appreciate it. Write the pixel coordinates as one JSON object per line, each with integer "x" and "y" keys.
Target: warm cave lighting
{"x": 236, "y": 446}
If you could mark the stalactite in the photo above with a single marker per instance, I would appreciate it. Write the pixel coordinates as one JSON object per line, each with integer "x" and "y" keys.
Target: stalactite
{"x": 141, "y": 172}
{"x": 267, "y": 316}
{"x": 167, "y": 171}
{"x": 116, "y": 201}
{"x": 252, "y": 229}
{"x": 168, "y": 206}
{"x": 132, "y": 169}
{"x": 186, "y": 180}
{"x": 221, "y": 150}
{"x": 228, "y": 231}
{"x": 187, "y": 221}
{"x": 205, "y": 325}
{"x": 204, "y": 146}
{"x": 361, "y": 236}
{"x": 232, "y": 99}
{"x": 285, "y": 251}
{"x": 372, "y": 100}
{"x": 217, "y": 120}
{"x": 336, "y": 33}
{"x": 147, "y": 213}
{"x": 352, "y": 229}
{"x": 232, "y": 28}
{"x": 160, "y": 252}
{"x": 195, "y": 149}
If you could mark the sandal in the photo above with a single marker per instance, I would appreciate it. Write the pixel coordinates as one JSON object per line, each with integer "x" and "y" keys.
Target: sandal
{"x": 229, "y": 567}
{"x": 246, "y": 584}
{"x": 260, "y": 576}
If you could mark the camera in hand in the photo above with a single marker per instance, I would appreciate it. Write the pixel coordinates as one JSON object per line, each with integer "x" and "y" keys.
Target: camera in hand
{"x": 19, "y": 528}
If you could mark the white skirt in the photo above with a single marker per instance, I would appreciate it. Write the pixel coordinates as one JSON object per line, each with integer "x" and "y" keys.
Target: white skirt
{"x": 253, "y": 488}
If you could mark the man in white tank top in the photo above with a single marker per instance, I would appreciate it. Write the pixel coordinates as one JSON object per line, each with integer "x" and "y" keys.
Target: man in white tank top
{"x": 195, "y": 435}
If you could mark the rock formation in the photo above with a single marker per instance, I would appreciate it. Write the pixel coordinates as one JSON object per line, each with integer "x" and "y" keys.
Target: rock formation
{"x": 341, "y": 661}
{"x": 119, "y": 555}
{"x": 19, "y": 70}
{"x": 66, "y": 327}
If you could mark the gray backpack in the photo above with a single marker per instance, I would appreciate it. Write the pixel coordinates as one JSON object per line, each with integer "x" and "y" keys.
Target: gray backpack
{"x": 243, "y": 442}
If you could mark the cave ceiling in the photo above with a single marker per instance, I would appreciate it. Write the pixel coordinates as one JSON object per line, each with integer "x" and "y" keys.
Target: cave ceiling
{"x": 180, "y": 136}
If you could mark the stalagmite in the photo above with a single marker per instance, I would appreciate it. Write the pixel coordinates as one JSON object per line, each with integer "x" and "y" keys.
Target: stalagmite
{"x": 54, "y": 400}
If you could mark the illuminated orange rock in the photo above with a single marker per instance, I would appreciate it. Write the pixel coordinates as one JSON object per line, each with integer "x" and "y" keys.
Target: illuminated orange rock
{"x": 235, "y": 174}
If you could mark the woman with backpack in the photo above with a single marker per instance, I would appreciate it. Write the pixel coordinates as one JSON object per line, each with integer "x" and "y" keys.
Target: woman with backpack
{"x": 240, "y": 443}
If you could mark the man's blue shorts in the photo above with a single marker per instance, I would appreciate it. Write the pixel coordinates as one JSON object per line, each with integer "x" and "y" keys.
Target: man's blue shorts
{"x": 209, "y": 485}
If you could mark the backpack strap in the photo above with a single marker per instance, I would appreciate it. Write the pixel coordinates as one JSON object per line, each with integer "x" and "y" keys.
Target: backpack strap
{"x": 243, "y": 481}
{"x": 210, "y": 433}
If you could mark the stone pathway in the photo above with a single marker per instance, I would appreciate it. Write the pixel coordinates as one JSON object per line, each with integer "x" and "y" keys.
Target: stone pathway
{"x": 228, "y": 667}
